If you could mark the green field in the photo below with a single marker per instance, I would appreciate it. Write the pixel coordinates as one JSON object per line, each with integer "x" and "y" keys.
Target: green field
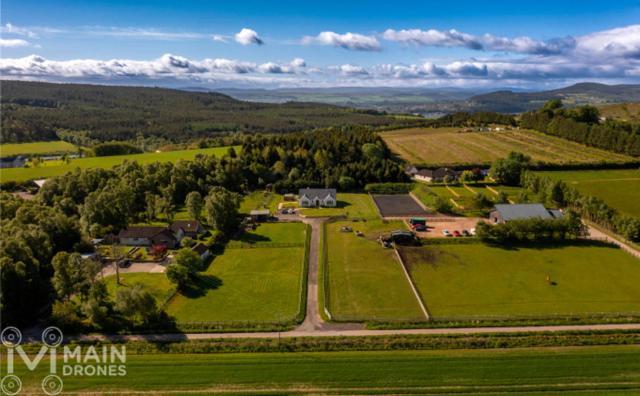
{"x": 451, "y": 146}
{"x": 619, "y": 188}
{"x": 476, "y": 280}
{"x": 249, "y": 285}
{"x": 57, "y": 168}
{"x": 541, "y": 371}
{"x": 260, "y": 200}
{"x": 157, "y": 284}
{"x": 40, "y": 148}
{"x": 349, "y": 204}
{"x": 365, "y": 280}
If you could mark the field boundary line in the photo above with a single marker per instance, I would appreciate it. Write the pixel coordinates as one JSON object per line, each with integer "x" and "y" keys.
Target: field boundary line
{"x": 457, "y": 205}
{"x": 452, "y": 191}
{"x": 423, "y": 307}
{"x": 419, "y": 202}
{"x": 474, "y": 192}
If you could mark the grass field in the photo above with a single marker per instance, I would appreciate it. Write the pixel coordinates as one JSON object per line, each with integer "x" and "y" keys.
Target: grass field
{"x": 253, "y": 285}
{"x": 365, "y": 281}
{"x": 349, "y": 204}
{"x": 260, "y": 200}
{"x": 540, "y": 371}
{"x": 476, "y": 280}
{"x": 621, "y": 111}
{"x": 620, "y": 188}
{"x": 57, "y": 168}
{"x": 157, "y": 284}
{"x": 446, "y": 146}
{"x": 55, "y": 147}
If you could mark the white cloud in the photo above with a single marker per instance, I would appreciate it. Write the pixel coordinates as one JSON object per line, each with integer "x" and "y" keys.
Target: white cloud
{"x": 220, "y": 38}
{"x": 247, "y": 37}
{"x": 623, "y": 42}
{"x": 143, "y": 33}
{"x": 298, "y": 62}
{"x": 20, "y": 31}
{"x": 454, "y": 38}
{"x": 350, "y": 41}
{"x": 351, "y": 70}
{"x": 14, "y": 43}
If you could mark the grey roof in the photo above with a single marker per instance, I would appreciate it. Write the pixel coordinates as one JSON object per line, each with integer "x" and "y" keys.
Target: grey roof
{"x": 259, "y": 212}
{"x": 200, "y": 248}
{"x": 186, "y": 225}
{"x": 320, "y": 193}
{"x": 522, "y": 211}
{"x": 438, "y": 173}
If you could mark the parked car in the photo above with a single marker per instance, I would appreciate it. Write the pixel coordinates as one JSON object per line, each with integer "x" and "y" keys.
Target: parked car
{"x": 465, "y": 233}
{"x": 457, "y": 233}
{"x": 446, "y": 233}
{"x": 419, "y": 227}
{"x": 472, "y": 231}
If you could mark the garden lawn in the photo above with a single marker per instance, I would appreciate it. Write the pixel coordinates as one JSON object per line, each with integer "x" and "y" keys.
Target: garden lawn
{"x": 349, "y": 204}
{"x": 619, "y": 188}
{"x": 157, "y": 284}
{"x": 57, "y": 168}
{"x": 476, "y": 280}
{"x": 39, "y": 148}
{"x": 273, "y": 234}
{"x": 260, "y": 200}
{"x": 542, "y": 371}
{"x": 251, "y": 285}
{"x": 365, "y": 280}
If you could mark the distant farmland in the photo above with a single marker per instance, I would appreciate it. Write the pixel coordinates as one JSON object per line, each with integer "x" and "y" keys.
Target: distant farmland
{"x": 451, "y": 146}
{"x": 8, "y": 150}
{"x": 57, "y": 168}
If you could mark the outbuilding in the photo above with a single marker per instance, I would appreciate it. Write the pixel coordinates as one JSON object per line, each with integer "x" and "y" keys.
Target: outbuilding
{"x": 503, "y": 213}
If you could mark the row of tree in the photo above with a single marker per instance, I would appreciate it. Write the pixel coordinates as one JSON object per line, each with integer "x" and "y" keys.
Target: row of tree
{"x": 589, "y": 207}
{"x": 582, "y": 124}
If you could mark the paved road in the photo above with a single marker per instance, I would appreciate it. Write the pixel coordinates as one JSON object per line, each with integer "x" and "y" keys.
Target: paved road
{"x": 325, "y": 332}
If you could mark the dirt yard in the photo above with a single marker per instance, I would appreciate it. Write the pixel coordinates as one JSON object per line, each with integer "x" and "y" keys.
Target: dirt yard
{"x": 435, "y": 228}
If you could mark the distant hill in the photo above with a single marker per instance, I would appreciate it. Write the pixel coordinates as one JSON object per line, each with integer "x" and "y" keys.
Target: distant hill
{"x": 583, "y": 93}
{"x": 437, "y": 101}
{"x": 33, "y": 111}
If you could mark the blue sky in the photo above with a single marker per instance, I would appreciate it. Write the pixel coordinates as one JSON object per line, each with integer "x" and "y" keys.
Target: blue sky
{"x": 298, "y": 43}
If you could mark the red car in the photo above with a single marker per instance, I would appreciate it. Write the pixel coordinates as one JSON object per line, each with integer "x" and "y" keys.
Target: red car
{"x": 456, "y": 233}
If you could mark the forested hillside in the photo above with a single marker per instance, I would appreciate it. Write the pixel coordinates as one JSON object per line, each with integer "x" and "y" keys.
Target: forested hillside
{"x": 34, "y": 111}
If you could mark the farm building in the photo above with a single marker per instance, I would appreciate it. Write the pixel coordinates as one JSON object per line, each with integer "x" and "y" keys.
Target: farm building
{"x": 260, "y": 215}
{"x": 147, "y": 236}
{"x": 13, "y": 162}
{"x": 503, "y": 213}
{"x": 190, "y": 228}
{"x": 436, "y": 175}
{"x": 317, "y": 197}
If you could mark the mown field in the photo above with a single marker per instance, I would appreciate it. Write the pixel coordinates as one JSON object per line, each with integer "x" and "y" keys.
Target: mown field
{"x": 450, "y": 146}
{"x": 256, "y": 284}
{"x": 260, "y": 200}
{"x": 59, "y": 146}
{"x": 365, "y": 281}
{"x": 620, "y": 188}
{"x": 476, "y": 280}
{"x": 349, "y": 204}
{"x": 57, "y": 168}
{"x": 462, "y": 196}
{"x": 589, "y": 370}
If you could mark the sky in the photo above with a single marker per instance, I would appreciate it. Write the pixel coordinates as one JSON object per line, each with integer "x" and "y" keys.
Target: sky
{"x": 276, "y": 44}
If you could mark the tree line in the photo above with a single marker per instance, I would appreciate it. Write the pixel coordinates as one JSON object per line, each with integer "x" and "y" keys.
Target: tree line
{"x": 582, "y": 124}
{"x": 594, "y": 209}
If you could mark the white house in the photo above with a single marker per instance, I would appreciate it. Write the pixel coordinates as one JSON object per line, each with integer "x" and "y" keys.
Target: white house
{"x": 317, "y": 197}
